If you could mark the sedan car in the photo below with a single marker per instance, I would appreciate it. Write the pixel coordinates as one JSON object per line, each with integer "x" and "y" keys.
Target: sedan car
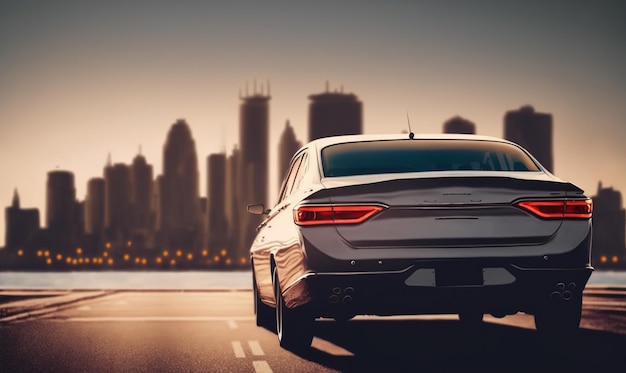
{"x": 420, "y": 224}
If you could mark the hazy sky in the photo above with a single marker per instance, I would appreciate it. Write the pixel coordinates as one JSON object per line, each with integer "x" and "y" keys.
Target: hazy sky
{"x": 80, "y": 79}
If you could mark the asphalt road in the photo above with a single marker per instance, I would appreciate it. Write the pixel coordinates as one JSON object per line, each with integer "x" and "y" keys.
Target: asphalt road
{"x": 196, "y": 331}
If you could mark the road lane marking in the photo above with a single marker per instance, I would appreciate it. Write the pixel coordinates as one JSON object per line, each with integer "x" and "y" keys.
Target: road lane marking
{"x": 256, "y": 349}
{"x": 155, "y": 318}
{"x": 329, "y": 347}
{"x": 232, "y": 324}
{"x": 238, "y": 349}
{"x": 261, "y": 366}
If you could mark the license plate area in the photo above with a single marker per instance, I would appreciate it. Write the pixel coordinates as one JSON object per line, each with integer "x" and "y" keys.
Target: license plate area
{"x": 459, "y": 275}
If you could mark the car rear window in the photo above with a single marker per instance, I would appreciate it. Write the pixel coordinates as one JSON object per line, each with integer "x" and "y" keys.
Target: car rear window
{"x": 399, "y": 156}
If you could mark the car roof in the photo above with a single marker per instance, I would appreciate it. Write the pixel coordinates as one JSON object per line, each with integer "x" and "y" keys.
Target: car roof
{"x": 325, "y": 141}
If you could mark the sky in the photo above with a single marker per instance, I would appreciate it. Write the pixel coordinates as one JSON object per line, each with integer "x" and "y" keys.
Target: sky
{"x": 82, "y": 79}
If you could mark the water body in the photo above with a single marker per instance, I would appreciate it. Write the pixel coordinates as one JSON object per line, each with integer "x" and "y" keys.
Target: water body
{"x": 181, "y": 280}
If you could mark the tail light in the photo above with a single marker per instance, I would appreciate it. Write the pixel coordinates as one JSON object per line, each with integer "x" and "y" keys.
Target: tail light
{"x": 329, "y": 214}
{"x": 561, "y": 209}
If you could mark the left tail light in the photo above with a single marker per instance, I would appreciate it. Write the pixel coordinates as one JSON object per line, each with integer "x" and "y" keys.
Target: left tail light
{"x": 559, "y": 209}
{"x": 330, "y": 214}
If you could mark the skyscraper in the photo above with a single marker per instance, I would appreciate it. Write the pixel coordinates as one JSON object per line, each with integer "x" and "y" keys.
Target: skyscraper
{"x": 288, "y": 145}
{"x": 94, "y": 206}
{"x": 60, "y": 211}
{"x": 140, "y": 198}
{"x": 532, "y": 131}
{"x": 333, "y": 114}
{"x": 180, "y": 217}
{"x": 117, "y": 211}
{"x": 253, "y": 139}
{"x": 234, "y": 209}
{"x": 21, "y": 225}
{"x": 609, "y": 229}
{"x": 460, "y": 125}
{"x": 217, "y": 227}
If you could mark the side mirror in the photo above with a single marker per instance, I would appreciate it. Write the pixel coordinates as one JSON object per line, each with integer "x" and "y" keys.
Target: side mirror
{"x": 257, "y": 209}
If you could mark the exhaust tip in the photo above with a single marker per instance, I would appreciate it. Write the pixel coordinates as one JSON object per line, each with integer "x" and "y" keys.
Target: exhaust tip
{"x": 555, "y": 295}
{"x": 567, "y": 295}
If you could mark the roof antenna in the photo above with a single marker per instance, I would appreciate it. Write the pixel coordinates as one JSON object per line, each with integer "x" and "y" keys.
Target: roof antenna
{"x": 411, "y": 134}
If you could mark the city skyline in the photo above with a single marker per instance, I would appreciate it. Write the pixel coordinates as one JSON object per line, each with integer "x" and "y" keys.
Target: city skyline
{"x": 82, "y": 81}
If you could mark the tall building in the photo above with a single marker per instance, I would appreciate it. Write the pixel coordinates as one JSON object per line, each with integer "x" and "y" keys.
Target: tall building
{"x": 95, "y": 206}
{"x": 460, "y": 125}
{"x": 61, "y": 224}
{"x": 288, "y": 145}
{"x": 21, "y": 226}
{"x": 234, "y": 209}
{"x": 180, "y": 215}
{"x": 609, "y": 229}
{"x": 334, "y": 113}
{"x": 533, "y": 131}
{"x": 253, "y": 162}
{"x": 94, "y": 212}
{"x": 217, "y": 227}
{"x": 142, "y": 226}
{"x": 118, "y": 209}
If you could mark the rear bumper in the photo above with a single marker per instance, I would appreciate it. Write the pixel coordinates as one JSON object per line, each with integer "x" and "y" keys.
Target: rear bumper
{"x": 438, "y": 288}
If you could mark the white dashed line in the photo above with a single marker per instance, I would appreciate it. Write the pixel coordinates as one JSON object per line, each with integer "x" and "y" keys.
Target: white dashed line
{"x": 261, "y": 366}
{"x": 238, "y": 349}
{"x": 256, "y": 349}
{"x": 232, "y": 324}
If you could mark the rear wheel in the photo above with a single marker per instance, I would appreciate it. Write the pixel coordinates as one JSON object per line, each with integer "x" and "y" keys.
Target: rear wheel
{"x": 293, "y": 326}
{"x": 264, "y": 314}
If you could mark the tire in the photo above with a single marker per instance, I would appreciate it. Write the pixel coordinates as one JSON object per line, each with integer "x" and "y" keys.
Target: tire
{"x": 264, "y": 314}
{"x": 559, "y": 320}
{"x": 294, "y": 327}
